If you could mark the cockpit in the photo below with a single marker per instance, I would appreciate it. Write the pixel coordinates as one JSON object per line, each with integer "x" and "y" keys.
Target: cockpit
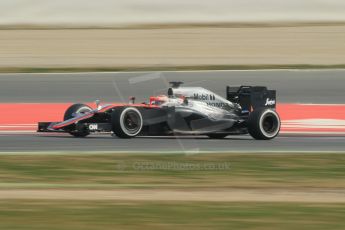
{"x": 158, "y": 100}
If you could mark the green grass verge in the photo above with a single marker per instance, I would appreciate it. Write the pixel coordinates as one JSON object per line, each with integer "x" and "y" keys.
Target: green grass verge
{"x": 203, "y": 171}
{"x": 163, "y": 68}
{"x": 173, "y": 171}
{"x": 166, "y": 215}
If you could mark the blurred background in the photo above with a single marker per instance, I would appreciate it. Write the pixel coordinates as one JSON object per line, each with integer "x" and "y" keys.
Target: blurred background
{"x": 120, "y": 12}
{"x": 55, "y": 53}
{"x": 170, "y": 34}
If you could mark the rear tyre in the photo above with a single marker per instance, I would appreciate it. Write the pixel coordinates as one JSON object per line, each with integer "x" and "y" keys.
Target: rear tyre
{"x": 73, "y": 111}
{"x": 217, "y": 135}
{"x": 127, "y": 122}
{"x": 264, "y": 124}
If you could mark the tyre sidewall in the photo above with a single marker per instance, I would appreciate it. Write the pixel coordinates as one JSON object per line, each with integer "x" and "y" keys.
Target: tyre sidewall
{"x": 70, "y": 114}
{"x": 118, "y": 125}
{"x": 75, "y": 109}
{"x": 255, "y": 124}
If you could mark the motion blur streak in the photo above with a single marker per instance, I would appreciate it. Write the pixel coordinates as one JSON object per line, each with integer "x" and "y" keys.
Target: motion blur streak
{"x": 105, "y": 12}
{"x": 296, "y": 118}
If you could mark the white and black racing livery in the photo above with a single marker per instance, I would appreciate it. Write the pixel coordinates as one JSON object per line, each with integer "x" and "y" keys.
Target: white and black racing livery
{"x": 184, "y": 110}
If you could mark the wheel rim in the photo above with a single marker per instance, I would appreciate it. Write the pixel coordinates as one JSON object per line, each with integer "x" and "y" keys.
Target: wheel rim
{"x": 270, "y": 124}
{"x": 131, "y": 121}
{"x": 81, "y": 111}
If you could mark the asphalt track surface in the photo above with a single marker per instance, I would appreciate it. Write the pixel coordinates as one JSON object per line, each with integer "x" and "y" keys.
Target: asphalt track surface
{"x": 56, "y": 143}
{"x": 293, "y": 86}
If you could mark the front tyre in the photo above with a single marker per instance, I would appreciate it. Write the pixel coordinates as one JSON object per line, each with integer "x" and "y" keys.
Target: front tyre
{"x": 127, "y": 122}
{"x": 264, "y": 124}
{"x": 73, "y": 111}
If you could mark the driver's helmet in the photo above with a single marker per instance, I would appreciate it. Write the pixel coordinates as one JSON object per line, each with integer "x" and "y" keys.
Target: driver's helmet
{"x": 158, "y": 100}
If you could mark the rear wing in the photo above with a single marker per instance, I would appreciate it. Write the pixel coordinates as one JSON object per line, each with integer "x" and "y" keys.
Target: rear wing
{"x": 251, "y": 97}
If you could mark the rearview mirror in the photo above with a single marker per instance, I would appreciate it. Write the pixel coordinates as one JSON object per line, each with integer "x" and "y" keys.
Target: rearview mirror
{"x": 97, "y": 102}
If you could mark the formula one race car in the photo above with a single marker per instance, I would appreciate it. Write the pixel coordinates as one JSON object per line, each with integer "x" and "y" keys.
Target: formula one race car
{"x": 184, "y": 110}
